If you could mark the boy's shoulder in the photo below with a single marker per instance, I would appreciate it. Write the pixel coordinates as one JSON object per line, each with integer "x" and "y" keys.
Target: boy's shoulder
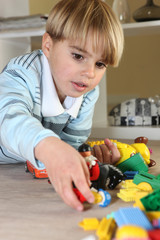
{"x": 27, "y": 67}
{"x": 27, "y": 61}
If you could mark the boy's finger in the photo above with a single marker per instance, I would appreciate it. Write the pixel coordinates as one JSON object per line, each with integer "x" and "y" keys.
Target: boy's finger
{"x": 86, "y": 172}
{"x": 70, "y": 198}
{"x": 81, "y": 182}
{"x": 114, "y": 150}
{"x": 102, "y": 153}
{"x": 111, "y": 146}
{"x": 84, "y": 189}
{"x": 107, "y": 155}
{"x": 65, "y": 189}
{"x": 98, "y": 153}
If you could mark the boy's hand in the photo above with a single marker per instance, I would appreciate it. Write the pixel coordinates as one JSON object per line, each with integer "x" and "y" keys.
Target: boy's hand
{"x": 65, "y": 166}
{"x": 106, "y": 153}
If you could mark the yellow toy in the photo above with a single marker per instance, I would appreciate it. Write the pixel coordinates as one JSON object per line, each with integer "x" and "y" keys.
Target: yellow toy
{"x": 102, "y": 198}
{"x": 131, "y": 231}
{"x": 106, "y": 228}
{"x": 128, "y": 151}
{"x": 153, "y": 215}
{"x": 131, "y": 192}
{"x": 89, "y": 223}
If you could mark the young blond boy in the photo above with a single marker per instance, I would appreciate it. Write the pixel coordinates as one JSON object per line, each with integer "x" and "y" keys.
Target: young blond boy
{"x": 47, "y": 97}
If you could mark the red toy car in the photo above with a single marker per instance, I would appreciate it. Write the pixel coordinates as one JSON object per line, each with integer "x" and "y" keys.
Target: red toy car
{"x": 37, "y": 173}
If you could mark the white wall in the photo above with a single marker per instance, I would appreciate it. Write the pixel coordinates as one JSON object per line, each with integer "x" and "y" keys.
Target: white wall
{"x": 13, "y": 47}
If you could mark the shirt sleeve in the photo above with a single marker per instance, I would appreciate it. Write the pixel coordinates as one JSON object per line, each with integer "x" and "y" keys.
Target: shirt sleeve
{"x": 78, "y": 129}
{"x": 20, "y": 131}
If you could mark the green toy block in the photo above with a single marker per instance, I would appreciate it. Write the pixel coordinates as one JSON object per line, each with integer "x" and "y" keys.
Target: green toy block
{"x": 151, "y": 202}
{"x": 154, "y": 181}
{"x": 134, "y": 163}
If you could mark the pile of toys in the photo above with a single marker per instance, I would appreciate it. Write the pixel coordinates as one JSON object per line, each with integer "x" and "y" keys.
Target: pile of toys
{"x": 142, "y": 221}
{"x": 130, "y": 223}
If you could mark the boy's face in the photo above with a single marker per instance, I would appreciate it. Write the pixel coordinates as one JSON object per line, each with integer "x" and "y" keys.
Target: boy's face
{"x": 75, "y": 69}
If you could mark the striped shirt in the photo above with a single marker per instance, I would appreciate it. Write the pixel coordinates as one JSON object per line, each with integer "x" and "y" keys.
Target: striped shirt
{"x": 23, "y": 120}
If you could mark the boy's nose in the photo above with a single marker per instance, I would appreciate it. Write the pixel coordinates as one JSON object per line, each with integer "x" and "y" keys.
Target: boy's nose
{"x": 89, "y": 71}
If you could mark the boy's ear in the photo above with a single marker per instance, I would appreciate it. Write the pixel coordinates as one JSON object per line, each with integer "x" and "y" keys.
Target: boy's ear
{"x": 46, "y": 44}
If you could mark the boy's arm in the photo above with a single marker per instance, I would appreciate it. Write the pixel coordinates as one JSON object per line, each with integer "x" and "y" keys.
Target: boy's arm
{"x": 20, "y": 131}
{"x": 21, "y": 134}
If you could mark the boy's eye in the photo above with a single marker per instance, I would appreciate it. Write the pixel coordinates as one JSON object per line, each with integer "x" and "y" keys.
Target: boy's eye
{"x": 101, "y": 65}
{"x": 77, "y": 56}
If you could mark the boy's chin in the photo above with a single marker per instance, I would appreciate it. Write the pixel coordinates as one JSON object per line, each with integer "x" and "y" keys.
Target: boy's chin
{"x": 76, "y": 95}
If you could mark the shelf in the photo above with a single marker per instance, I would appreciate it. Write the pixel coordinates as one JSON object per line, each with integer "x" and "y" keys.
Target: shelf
{"x": 141, "y": 28}
{"x": 115, "y": 132}
{"x": 130, "y": 29}
{"x": 26, "y": 32}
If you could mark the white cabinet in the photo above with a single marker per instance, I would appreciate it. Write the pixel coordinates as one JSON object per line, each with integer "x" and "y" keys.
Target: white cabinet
{"x": 100, "y": 126}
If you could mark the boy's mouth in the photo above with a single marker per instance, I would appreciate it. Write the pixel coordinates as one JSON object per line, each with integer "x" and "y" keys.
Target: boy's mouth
{"x": 79, "y": 86}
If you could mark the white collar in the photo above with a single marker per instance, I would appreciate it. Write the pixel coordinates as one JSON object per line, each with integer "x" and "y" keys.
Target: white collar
{"x": 51, "y": 105}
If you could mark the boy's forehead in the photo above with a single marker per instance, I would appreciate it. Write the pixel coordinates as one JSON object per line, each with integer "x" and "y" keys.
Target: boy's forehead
{"x": 88, "y": 46}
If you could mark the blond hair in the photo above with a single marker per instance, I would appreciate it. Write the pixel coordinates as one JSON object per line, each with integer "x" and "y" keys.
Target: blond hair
{"x": 74, "y": 19}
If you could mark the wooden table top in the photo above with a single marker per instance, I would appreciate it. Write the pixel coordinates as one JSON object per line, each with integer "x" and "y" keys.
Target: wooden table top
{"x": 31, "y": 209}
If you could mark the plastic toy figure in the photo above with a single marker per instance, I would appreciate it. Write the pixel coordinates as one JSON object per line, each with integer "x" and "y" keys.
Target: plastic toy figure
{"x": 100, "y": 172}
{"x": 102, "y": 197}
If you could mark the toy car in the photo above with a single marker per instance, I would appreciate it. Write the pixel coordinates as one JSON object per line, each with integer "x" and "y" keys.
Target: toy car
{"x": 37, "y": 173}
